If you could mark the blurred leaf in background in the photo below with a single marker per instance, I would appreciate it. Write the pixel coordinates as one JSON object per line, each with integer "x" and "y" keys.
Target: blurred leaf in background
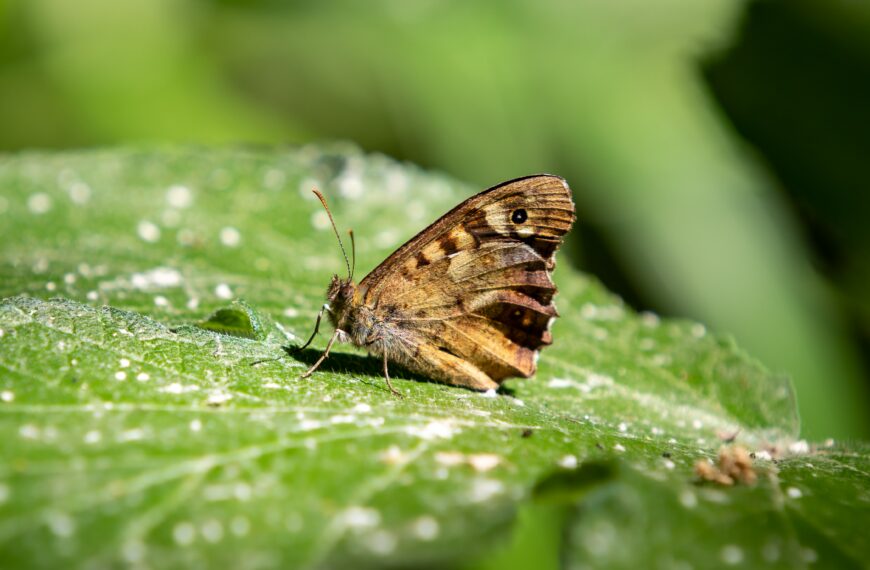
{"x": 677, "y": 212}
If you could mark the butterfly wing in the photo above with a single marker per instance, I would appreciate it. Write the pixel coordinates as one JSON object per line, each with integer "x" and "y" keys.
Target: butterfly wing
{"x": 470, "y": 297}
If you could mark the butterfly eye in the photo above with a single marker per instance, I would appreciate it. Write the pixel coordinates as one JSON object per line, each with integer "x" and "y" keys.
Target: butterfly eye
{"x": 519, "y": 216}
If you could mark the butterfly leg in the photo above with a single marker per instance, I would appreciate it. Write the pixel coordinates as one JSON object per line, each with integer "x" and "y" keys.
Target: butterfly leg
{"x": 322, "y": 356}
{"x": 387, "y": 376}
{"x": 325, "y": 307}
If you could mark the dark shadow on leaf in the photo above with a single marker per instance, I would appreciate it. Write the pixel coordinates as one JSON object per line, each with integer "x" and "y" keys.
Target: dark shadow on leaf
{"x": 367, "y": 366}
{"x": 568, "y": 486}
{"x": 354, "y": 364}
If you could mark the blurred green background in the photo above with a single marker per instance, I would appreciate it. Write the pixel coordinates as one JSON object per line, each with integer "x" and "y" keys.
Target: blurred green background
{"x": 718, "y": 150}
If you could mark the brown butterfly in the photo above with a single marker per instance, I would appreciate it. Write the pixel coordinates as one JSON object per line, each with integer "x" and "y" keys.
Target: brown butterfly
{"x": 469, "y": 300}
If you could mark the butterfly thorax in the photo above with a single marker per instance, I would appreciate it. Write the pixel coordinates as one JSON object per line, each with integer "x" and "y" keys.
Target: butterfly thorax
{"x": 359, "y": 323}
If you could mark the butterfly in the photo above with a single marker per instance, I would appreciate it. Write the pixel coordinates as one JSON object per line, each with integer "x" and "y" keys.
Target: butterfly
{"x": 469, "y": 300}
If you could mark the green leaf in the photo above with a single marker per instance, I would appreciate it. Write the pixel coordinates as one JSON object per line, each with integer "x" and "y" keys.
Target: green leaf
{"x": 133, "y": 437}
{"x": 238, "y": 320}
{"x": 794, "y": 518}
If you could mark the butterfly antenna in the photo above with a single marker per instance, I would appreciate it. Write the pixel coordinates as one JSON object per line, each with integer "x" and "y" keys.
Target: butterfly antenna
{"x": 352, "y": 253}
{"x": 341, "y": 245}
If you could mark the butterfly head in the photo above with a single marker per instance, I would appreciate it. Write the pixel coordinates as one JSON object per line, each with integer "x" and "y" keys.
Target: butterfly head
{"x": 340, "y": 293}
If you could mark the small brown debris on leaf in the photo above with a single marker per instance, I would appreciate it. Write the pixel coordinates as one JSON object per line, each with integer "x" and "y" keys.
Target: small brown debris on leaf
{"x": 734, "y": 465}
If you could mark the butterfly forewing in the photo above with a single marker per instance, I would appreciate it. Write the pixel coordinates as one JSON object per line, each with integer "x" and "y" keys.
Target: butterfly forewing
{"x": 470, "y": 297}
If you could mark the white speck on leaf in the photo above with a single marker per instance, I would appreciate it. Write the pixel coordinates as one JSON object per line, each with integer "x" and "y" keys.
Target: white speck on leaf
{"x": 688, "y": 499}
{"x": 240, "y": 526}
{"x": 484, "y": 489}
{"x": 29, "y": 431}
{"x": 436, "y": 429}
{"x": 218, "y": 397}
{"x": 387, "y": 238}
{"x": 763, "y": 454}
{"x": 274, "y": 179}
{"x": 179, "y": 196}
{"x": 382, "y": 542}
{"x": 133, "y": 551}
{"x": 350, "y": 186}
{"x": 79, "y": 193}
{"x": 156, "y": 278}
{"x": 61, "y": 524}
{"x": 483, "y": 462}
{"x": 308, "y": 424}
{"x": 426, "y": 528}
{"x": 320, "y": 220}
{"x": 306, "y": 187}
{"x": 450, "y": 458}
{"x": 39, "y": 203}
{"x": 184, "y": 533}
{"x": 212, "y": 530}
{"x": 120, "y": 375}
{"x": 568, "y": 462}
{"x": 561, "y": 383}
{"x": 7, "y": 396}
{"x": 650, "y": 320}
{"x": 794, "y": 493}
{"x": 595, "y": 380}
{"x": 360, "y": 517}
{"x": 148, "y": 231}
{"x": 178, "y": 388}
{"x": 393, "y": 456}
{"x": 230, "y": 236}
{"x": 223, "y": 291}
{"x": 732, "y": 554}
{"x": 143, "y": 377}
{"x": 242, "y": 491}
{"x": 132, "y": 435}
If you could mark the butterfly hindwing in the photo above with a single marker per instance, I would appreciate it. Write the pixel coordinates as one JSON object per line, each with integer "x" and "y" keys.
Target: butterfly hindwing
{"x": 471, "y": 296}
